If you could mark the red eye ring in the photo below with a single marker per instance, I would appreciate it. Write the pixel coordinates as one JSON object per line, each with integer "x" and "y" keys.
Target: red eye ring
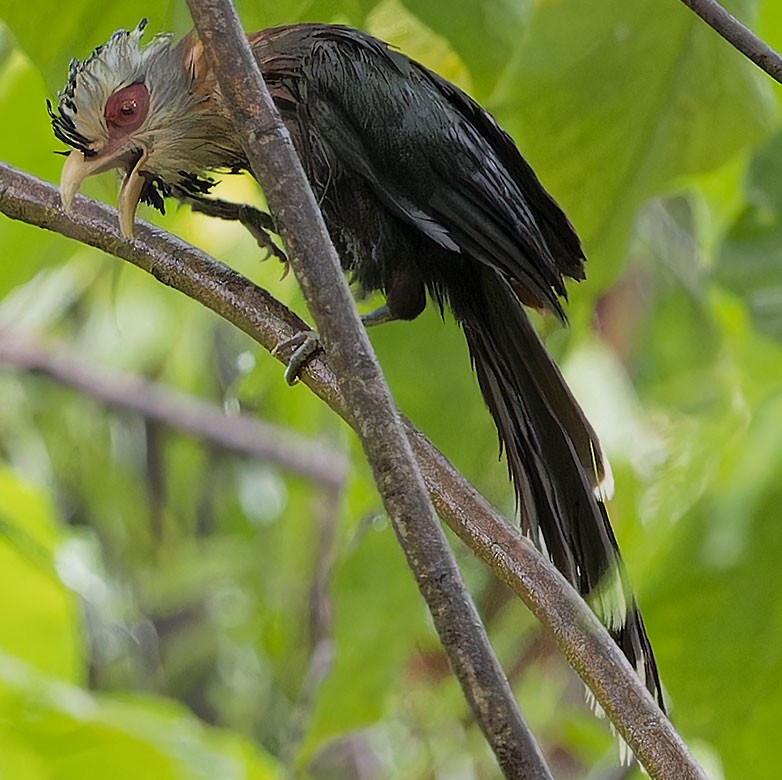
{"x": 127, "y": 108}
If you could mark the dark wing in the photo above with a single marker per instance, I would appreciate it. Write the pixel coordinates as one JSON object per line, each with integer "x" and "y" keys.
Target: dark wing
{"x": 436, "y": 160}
{"x": 560, "y": 236}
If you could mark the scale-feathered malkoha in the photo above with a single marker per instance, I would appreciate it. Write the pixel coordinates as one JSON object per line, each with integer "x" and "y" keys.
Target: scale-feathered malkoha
{"x": 422, "y": 193}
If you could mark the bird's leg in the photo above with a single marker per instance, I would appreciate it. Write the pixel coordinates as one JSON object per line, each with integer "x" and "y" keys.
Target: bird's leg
{"x": 306, "y": 343}
{"x": 257, "y": 222}
{"x": 378, "y": 316}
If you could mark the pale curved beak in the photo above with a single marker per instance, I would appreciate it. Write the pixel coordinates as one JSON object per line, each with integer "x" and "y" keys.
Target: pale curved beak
{"x": 129, "y": 195}
{"x": 78, "y": 167}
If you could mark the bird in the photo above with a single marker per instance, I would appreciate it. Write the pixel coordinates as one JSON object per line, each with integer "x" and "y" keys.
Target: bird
{"x": 425, "y": 197}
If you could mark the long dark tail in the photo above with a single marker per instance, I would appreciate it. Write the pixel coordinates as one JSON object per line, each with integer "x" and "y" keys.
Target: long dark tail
{"x": 555, "y": 461}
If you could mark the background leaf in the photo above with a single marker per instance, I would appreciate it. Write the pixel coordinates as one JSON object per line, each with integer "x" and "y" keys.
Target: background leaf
{"x": 166, "y": 603}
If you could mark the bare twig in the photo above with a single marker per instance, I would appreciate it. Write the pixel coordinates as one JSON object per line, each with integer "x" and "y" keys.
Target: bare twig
{"x": 155, "y": 476}
{"x": 276, "y": 167}
{"x": 244, "y": 435}
{"x": 739, "y": 36}
{"x": 321, "y": 644}
{"x": 579, "y": 635}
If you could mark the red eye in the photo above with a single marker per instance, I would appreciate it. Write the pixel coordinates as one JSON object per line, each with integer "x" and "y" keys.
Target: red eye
{"x": 127, "y": 108}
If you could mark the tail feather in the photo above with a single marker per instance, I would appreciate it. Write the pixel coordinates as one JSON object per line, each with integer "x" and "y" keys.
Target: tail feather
{"x": 556, "y": 463}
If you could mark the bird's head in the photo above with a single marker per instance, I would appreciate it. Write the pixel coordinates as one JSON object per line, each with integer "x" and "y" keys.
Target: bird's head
{"x": 153, "y": 112}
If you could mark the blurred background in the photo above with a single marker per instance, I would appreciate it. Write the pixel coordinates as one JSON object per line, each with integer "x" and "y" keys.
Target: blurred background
{"x": 174, "y": 609}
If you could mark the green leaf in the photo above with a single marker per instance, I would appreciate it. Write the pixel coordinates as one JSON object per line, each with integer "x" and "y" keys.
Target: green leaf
{"x": 53, "y": 32}
{"x": 378, "y": 616}
{"x": 23, "y": 96}
{"x": 718, "y": 601}
{"x": 484, "y": 33}
{"x": 395, "y": 23}
{"x": 210, "y": 559}
{"x": 75, "y": 28}
{"x": 614, "y": 102}
{"x": 61, "y": 731}
{"x": 39, "y": 619}
{"x": 750, "y": 261}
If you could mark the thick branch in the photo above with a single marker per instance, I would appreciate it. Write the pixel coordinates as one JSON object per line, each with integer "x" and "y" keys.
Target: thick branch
{"x": 739, "y": 36}
{"x": 243, "y": 435}
{"x": 582, "y": 639}
{"x": 373, "y": 415}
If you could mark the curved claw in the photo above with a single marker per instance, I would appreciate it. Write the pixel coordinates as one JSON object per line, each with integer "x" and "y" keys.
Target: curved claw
{"x": 306, "y": 344}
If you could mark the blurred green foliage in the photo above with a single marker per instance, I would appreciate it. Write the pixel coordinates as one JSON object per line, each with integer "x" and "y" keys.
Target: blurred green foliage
{"x": 173, "y": 611}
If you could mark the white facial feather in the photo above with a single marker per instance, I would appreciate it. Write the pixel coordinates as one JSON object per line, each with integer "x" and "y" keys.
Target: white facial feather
{"x": 182, "y": 123}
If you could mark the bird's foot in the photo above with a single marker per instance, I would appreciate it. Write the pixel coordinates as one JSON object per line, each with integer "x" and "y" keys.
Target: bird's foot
{"x": 378, "y": 316}
{"x": 304, "y": 344}
{"x": 258, "y": 223}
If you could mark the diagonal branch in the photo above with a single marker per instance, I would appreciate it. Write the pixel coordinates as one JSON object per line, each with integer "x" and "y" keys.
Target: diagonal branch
{"x": 513, "y": 559}
{"x": 153, "y": 401}
{"x": 373, "y": 415}
{"x": 739, "y": 36}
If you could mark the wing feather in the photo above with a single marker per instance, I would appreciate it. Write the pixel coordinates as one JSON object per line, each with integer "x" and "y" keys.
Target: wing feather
{"x": 466, "y": 187}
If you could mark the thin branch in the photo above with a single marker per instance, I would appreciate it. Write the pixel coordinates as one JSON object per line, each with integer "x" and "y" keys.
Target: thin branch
{"x": 374, "y": 417}
{"x": 579, "y": 635}
{"x": 321, "y": 642}
{"x": 739, "y": 36}
{"x": 153, "y": 401}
